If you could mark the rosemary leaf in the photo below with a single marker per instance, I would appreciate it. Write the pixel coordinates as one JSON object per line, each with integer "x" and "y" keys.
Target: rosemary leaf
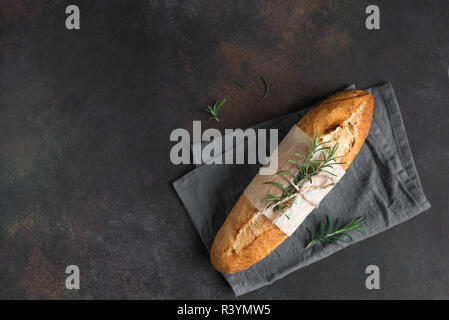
{"x": 275, "y": 184}
{"x": 218, "y": 107}
{"x": 284, "y": 172}
{"x": 266, "y": 86}
{"x": 273, "y": 198}
{"x": 241, "y": 85}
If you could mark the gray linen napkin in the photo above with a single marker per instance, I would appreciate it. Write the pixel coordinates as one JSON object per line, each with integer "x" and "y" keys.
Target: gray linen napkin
{"x": 381, "y": 184}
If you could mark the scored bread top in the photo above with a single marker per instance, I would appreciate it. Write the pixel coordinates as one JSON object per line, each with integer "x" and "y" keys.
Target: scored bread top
{"x": 247, "y": 237}
{"x": 344, "y": 117}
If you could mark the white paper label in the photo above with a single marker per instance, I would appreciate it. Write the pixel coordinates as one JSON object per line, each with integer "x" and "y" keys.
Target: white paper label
{"x": 290, "y": 219}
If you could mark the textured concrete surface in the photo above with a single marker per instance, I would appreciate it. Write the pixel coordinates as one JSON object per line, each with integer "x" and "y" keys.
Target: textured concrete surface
{"x": 85, "y": 118}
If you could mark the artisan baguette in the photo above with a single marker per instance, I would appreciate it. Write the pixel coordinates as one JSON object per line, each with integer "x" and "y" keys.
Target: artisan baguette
{"x": 247, "y": 237}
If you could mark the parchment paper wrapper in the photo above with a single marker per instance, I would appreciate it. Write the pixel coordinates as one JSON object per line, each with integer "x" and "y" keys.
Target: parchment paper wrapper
{"x": 290, "y": 219}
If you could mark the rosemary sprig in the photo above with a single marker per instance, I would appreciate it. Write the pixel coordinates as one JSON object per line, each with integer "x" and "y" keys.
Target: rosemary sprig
{"x": 241, "y": 85}
{"x": 308, "y": 167}
{"x": 266, "y": 86}
{"x": 335, "y": 234}
{"x": 213, "y": 110}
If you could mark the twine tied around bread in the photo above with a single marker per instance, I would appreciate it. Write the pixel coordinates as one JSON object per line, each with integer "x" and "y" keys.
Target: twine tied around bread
{"x": 310, "y": 187}
{"x": 300, "y": 191}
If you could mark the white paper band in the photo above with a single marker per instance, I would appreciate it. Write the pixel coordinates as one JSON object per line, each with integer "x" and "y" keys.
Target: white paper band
{"x": 310, "y": 195}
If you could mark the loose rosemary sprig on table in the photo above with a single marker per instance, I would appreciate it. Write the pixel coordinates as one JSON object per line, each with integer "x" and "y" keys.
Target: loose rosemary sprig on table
{"x": 213, "y": 110}
{"x": 307, "y": 169}
{"x": 333, "y": 233}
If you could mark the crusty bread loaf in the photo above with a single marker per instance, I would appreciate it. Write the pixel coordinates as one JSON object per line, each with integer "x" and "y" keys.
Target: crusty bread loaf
{"x": 246, "y": 238}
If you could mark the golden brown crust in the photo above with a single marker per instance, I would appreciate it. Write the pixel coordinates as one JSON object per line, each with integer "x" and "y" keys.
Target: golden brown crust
{"x": 335, "y": 111}
{"x": 246, "y": 237}
{"x": 224, "y": 255}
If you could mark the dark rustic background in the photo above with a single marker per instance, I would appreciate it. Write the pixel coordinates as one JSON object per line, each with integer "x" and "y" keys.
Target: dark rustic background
{"x": 85, "y": 118}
